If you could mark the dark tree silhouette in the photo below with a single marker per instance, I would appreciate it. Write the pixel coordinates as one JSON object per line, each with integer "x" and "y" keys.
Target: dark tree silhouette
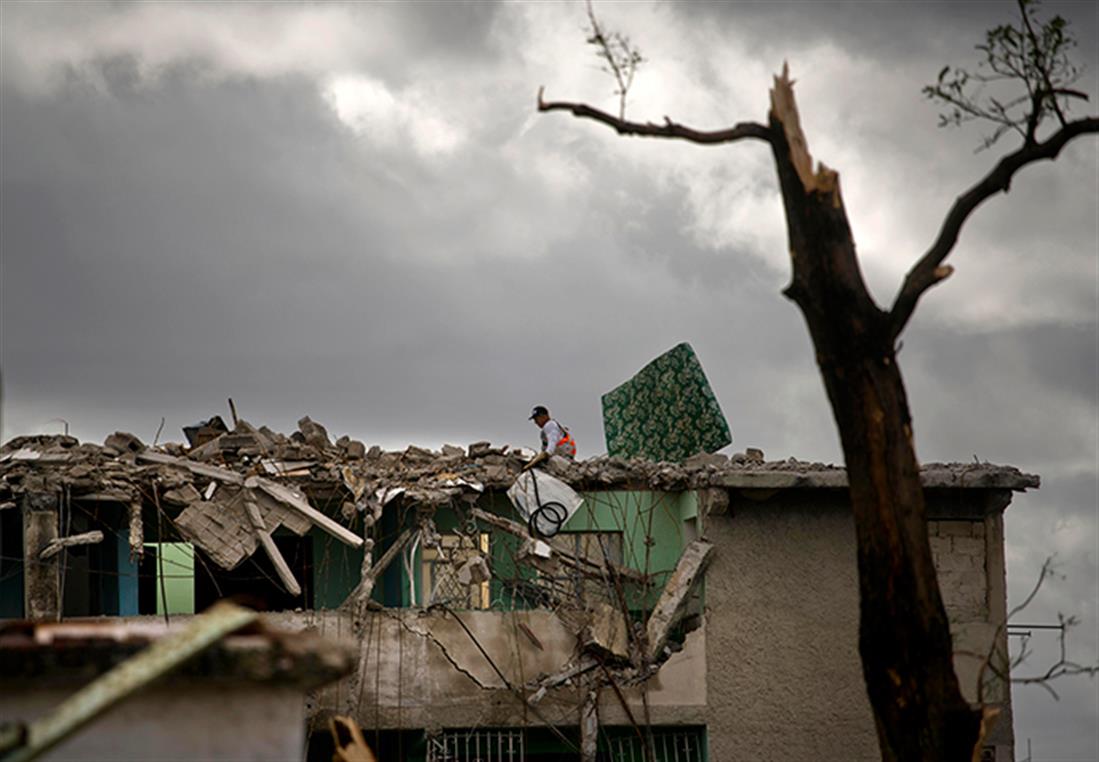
{"x": 904, "y": 634}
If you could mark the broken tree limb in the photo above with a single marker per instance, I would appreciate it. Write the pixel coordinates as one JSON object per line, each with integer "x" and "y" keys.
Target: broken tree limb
{"x": 583, "y": 565}
{"x": 269, "y": 546}
{"x": 365, "y": 587}
{"x": 292, "y": 499}
{"x": 137, "y": 531}
{"x": 673, "y": 600}
{"x": 669, "y": 129}
{"x": 55, "y": 545}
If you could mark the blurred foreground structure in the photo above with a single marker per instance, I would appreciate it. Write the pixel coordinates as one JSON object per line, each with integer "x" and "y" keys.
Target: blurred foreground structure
{"x": 688, "y": 611}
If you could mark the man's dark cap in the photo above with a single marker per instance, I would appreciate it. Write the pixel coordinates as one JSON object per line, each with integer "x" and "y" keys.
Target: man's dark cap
{"x": 538, "y": 410}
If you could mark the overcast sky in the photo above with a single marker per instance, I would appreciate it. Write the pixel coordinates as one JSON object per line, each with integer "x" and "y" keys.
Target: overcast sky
{"x": 354, "y": 212}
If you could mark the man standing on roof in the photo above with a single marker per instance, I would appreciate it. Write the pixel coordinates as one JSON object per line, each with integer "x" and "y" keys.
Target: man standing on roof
{"x": 556, "y": 439}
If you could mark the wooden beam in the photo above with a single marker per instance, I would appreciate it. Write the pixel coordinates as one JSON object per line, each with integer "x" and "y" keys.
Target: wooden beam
{"x": 365, "y": 587}
{"x": 269, "y": 546}
{"x": 41, "y": 579}
{"x": 220, "y": 474}
{"x": 673, "y": 600}
{"x": 55, "y": 545}
{"x": 291, "y": 499}
{"x": 584, "y": 565}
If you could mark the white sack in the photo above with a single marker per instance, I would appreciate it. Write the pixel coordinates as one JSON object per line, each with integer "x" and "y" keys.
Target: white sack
{"x": 550, "y": 490}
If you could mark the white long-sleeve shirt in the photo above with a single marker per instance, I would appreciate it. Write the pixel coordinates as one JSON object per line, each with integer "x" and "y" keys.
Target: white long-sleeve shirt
{"x": 552, "y": 434}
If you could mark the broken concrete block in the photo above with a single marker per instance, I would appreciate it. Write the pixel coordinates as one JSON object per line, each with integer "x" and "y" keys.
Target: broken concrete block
{"x": 207, "y": 450}
{"x": 478, "y": 449}
{"x": 713, "y": 502}
{"x": 497, "y": 475}
{"x": 418, "y": 455}
{"x": 474, "y": 571}
{"x": 754, "y": 455}
{"x": 122, "y": 442}
{"x": 608, "y": 632}
{"x": 203, "y": 431}
{"x": 184, "y": 495}
{"x": 450, "y": 451}
{"x": 355, "y": 450}
{"x": 314, "y": 434}
{"x": 239, "y": 442}
{"x": 706, "y": 459}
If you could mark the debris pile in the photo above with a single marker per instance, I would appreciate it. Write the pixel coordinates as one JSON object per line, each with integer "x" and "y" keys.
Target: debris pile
{"x": 229, "y": 489}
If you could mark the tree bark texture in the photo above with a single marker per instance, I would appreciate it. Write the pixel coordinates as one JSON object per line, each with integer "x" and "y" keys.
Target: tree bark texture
{"x": 904, "y": 633}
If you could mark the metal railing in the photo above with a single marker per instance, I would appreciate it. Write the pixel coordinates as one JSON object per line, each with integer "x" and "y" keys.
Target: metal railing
{"x": 480, "y": 745}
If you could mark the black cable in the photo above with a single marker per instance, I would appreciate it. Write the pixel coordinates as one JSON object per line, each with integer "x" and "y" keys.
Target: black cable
{"x": 545, "y": 520}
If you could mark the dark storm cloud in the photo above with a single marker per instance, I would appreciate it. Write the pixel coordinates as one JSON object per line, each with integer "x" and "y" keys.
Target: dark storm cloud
{"x": 883, "y": 29}
{"x": 235, "y": 238}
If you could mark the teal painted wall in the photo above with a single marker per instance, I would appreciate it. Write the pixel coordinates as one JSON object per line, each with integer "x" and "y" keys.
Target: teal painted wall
{"x": 336, "y": 569}
{"x": 637, "y": 514}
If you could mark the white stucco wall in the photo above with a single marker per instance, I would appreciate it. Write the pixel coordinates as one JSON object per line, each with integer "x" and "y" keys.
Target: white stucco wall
{"x": 782, "y": 627}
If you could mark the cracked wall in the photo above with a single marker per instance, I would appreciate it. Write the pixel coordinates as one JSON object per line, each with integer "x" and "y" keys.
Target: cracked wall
{"x": 422, "y": 670}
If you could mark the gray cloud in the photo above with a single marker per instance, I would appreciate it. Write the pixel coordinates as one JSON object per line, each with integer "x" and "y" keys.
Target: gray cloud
{"x": 209, "y": 227}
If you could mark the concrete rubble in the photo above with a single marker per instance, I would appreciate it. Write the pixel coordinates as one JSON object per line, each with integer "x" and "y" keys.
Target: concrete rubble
{"x": 229, "y": 489}
{"x": 209, "y": 484}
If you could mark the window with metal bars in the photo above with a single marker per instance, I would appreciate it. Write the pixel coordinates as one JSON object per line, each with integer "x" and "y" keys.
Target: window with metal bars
{"x": 679, "y": 745}
{"x": 481, "y": 745}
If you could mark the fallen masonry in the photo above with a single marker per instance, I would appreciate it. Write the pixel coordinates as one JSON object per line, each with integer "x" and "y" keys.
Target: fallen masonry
{"x": 417, "y": 559}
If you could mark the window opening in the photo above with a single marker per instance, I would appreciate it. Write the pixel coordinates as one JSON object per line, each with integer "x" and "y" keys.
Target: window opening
{"x": 441, "y": 577}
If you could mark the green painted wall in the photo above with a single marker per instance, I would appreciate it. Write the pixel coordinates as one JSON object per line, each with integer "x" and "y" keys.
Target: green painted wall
{"x": 637, "y": 514}
{"x": 177, "y": 560}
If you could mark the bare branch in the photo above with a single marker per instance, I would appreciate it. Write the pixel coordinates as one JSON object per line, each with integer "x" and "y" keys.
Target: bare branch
{"x": 620, "y": 55}
{"x": 929, "y": 270}
{"x": 669, "y": 129}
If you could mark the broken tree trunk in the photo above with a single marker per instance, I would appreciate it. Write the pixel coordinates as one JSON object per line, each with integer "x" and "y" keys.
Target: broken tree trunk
{"x": 41, "y": 578}
{"x": 673, "y": 599}
{"x": 55, "y": 545}
{"x": 269, "y": 546}
{"x": 904, "y": 633}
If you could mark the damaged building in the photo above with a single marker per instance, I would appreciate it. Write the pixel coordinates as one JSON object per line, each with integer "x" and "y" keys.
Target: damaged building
{"x": 704, "y": 609}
